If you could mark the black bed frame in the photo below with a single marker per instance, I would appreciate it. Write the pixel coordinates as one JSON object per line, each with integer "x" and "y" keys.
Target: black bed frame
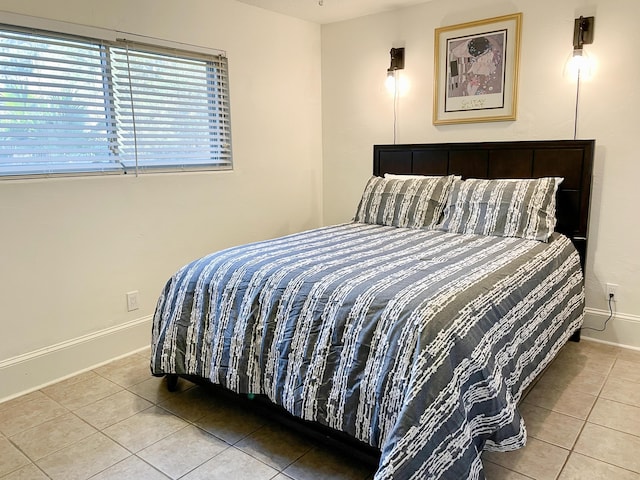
{"x": 571, "y": 159}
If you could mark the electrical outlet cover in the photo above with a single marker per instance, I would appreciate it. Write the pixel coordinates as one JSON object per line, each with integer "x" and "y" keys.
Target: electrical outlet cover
{"x": 132, "y": 301}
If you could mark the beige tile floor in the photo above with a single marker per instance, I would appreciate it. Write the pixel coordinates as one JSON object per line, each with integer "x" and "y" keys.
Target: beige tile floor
{"x": 117, "y": 422}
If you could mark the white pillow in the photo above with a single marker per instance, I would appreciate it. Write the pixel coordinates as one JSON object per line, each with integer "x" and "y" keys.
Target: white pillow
{"x": 406, "y": 177}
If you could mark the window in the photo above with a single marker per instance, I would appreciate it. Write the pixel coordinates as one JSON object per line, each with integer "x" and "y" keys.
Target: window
{"x": 73, "y": 105}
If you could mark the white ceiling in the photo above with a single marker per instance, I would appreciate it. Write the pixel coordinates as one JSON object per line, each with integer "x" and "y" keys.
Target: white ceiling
{"x": 331, "y": 10}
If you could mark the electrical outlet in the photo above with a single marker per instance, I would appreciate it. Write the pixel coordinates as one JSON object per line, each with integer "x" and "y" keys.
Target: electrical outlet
{"x": 611, "y": 291}
{"x": 132, "y": 301}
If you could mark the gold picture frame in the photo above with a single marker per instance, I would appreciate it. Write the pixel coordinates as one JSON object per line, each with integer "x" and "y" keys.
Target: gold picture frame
{"x": 476, "y": 71}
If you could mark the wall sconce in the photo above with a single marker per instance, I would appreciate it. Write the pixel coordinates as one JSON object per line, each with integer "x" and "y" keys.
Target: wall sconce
{"x": 397, "y": 60}
{"x": 580, "y": 64}
{"x": 397, "y": 63}
{"x": 582, "y": 33}
{"x": 395, "y": 84}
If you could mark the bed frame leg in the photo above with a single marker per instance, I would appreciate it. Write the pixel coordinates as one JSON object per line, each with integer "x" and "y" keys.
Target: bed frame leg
{"x": 172, "y": 382}
{"x": 576, "y": 336}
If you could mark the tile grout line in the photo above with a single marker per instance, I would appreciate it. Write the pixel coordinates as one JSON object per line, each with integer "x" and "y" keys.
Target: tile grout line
{"x": 157, "y": 405}
{"x": 96, "y": 429}
{"x": 193, "y": 424}
{"x": 511, "y": 470}
{"x": 31, "y": 461}
{"x": 586, "y": 421}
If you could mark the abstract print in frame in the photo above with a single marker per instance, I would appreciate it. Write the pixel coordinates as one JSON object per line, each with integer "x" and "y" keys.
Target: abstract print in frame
{"x": 476, "y": 71}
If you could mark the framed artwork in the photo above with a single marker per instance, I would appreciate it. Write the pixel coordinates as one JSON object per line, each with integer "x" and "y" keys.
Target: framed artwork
{"x": 476, "y": 71}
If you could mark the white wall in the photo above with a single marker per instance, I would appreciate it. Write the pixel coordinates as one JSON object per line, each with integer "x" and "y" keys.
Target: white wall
{"x": 357, "y": 113}
{"x": 70, "y": 248}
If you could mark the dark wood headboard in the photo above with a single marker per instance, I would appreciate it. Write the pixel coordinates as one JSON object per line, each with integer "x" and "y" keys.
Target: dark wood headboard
{"x": 571, "y": 159}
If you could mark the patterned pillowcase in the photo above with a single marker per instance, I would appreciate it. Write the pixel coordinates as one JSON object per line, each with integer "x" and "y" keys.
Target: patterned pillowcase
{"x": 523, "y": 208}
{"x": 411, "y": 202}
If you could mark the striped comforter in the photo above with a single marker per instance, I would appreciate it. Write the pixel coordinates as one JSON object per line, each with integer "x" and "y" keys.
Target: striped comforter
{"x": 417, "y": 342}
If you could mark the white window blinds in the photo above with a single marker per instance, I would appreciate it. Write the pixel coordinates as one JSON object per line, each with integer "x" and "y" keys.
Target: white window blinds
{"x": 54, "y": 105}
{"x": 72, "y": 105}
{"x": 170, "y": 110}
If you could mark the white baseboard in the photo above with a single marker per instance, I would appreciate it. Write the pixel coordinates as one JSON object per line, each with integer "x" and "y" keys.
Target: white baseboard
{"x": 622, "y": 329}
{"x": 36, "y": 369}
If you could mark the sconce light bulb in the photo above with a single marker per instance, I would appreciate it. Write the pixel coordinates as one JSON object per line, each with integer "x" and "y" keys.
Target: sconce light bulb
{"x": 580, "y": 63}
{"x": 397, "y": 83}
{"x": 390, "y": 82}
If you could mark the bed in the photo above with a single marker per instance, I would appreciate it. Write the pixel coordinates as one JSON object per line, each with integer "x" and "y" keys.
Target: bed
{"x": 414, "y": 329}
